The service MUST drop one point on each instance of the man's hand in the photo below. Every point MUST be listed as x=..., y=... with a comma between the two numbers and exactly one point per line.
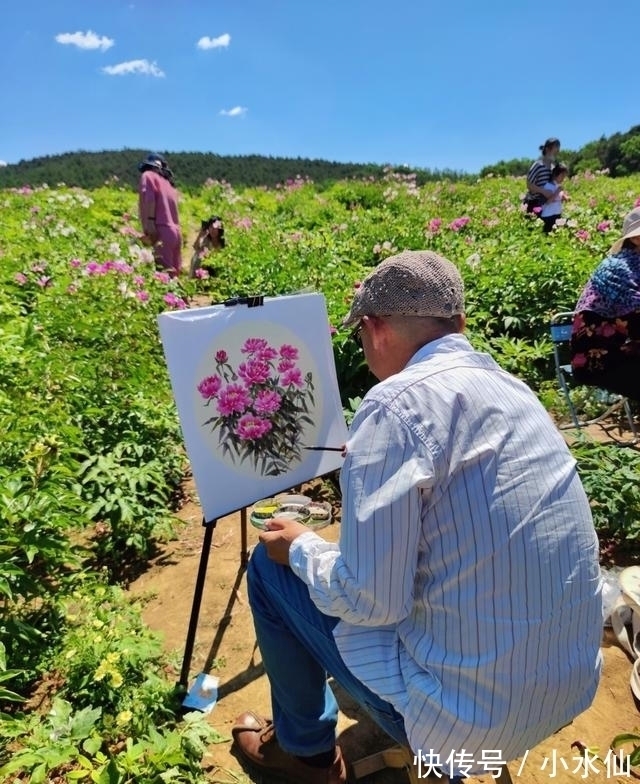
x=277, y=539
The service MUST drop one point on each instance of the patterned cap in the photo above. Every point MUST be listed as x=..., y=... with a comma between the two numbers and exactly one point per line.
x=412, y=283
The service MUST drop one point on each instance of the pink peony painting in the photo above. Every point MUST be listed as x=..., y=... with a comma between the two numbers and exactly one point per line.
x=260, y=406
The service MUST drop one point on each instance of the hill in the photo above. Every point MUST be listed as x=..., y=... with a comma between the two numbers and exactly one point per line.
x=192, y=169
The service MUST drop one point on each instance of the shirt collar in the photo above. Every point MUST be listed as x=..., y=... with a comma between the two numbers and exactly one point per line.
x=445, y=345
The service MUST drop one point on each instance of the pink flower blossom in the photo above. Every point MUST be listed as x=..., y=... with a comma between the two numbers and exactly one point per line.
x=93, y=268
x=233, y=399
x=243, y=223
x=72, y=288
x=209, y=387
x=20, y=278
x=39, y=266
x=75, y=263
x=139, y=280
x=579, y=360
x=266, y=354
x=174, y=301
x=44, y=281
x=434, y=225
x=332, y=330
x=162, y=277
x=537, y=210
x=288, y=352
x=267, y=402
x=142, y=296
x=254, y=372
x=253, y=345
x=583, y=235
x=221, y=356
x=285, y=364
x=202, y=273
x=292, y=377
x=604, y=225
x=252, y=428
x=459, y=223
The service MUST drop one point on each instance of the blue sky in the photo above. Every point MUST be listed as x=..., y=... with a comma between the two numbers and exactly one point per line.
x=456, y=84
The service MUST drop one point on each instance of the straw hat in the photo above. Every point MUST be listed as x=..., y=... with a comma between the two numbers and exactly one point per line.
x=630, y=228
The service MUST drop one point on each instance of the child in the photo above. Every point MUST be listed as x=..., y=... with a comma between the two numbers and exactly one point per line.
x=210, y=237
x=552, y=209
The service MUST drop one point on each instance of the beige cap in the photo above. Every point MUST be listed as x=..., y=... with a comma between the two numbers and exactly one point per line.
x=412, y=283
x=630, y=228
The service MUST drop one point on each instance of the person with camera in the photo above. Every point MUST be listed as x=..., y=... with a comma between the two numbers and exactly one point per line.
x=210, y=237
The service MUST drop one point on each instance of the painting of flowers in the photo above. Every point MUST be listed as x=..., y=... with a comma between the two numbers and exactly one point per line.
x=260, y=405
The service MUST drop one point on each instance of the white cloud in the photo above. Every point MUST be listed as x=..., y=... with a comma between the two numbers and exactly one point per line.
x=3, y=163
x=88, y=40
x=214, y=43
x=134, y=67
x=237, y=111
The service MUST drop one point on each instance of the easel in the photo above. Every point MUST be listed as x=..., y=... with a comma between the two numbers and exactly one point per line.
x=209, y=527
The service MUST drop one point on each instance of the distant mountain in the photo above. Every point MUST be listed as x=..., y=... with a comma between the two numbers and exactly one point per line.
x=191, y=169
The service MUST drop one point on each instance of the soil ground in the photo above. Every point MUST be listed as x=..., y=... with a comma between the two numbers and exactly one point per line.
x=225, y=646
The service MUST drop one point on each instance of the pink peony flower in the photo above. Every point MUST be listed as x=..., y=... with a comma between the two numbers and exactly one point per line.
x=253, y=345
x=209, y=387
x=139, y=280
x=604, y=225
x=202, y=273
x=44, y=281
x=583, y=235
x=288, y=352
x=221, y=356
x=285, y=364
x=252, y=428
x=75, y=263
x=174, y=301
x=142, y=296
x=233, y=399
x=20, y=278
x=254, y=372
x=267, y=402
x=292, y=377
x=459, y=223
x=579, y=360
x=434, y=225
x=162, y=277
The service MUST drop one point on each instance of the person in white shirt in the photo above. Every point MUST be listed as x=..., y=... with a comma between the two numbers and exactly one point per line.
x=462, y=605
x=552, y=209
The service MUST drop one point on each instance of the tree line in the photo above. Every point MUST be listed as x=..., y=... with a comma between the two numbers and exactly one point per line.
x=192, y=169
x=619, y=153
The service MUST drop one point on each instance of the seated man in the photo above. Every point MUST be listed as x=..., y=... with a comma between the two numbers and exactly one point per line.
x=462, y=606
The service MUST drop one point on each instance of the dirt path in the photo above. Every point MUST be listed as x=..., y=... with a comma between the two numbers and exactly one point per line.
x=225, y=646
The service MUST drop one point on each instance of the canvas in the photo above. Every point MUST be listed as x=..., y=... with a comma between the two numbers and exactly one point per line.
x=254, y=387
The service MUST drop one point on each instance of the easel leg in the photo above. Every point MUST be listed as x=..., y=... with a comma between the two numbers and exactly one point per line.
x=197, y=601
x=244, y=550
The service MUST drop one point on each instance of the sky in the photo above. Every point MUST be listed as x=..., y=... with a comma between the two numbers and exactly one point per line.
x=458, y=84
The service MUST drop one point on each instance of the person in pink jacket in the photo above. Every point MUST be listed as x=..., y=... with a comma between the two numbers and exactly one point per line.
x=158, y=209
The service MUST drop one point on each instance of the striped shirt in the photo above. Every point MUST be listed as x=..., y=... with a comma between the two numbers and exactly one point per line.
x=466, y=577
x=539, y=174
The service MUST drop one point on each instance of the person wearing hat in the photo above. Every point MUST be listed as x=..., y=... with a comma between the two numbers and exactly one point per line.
x=461, y=607
x=605, y=335
x=158, y=209
x=539, y=175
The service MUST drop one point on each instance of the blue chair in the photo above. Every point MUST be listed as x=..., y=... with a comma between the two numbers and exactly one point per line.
x=560, y=328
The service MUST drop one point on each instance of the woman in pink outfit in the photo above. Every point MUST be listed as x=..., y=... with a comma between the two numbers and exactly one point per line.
x=158, y=208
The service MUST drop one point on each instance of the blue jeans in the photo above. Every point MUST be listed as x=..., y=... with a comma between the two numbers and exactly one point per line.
x=298, y=651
